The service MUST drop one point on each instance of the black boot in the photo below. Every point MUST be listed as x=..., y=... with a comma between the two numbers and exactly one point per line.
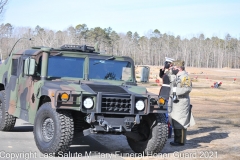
x=179, y=137
x=176, y=144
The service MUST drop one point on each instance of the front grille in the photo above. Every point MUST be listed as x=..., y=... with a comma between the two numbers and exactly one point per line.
x=116, y=104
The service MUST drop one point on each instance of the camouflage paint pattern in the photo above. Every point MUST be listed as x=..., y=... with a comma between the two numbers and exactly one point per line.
x=25, y=94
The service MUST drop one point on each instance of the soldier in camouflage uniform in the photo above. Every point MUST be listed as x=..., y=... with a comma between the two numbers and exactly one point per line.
x=180, y=113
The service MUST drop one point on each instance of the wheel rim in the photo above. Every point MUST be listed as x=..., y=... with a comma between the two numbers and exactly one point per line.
x=48, y=129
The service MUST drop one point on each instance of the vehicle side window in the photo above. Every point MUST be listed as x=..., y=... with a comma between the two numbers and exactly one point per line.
x=14, y=67
x=39, y=67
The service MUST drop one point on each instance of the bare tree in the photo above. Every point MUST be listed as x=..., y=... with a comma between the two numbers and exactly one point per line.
x=2, y=5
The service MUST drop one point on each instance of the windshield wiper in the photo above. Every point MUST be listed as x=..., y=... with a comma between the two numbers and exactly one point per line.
x=102, y=61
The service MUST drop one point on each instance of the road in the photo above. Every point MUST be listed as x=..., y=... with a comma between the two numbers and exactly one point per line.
x=19, y=144
x=209, y=139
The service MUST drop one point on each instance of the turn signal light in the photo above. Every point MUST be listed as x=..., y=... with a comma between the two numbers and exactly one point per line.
x=161, y=101
x=64, y=97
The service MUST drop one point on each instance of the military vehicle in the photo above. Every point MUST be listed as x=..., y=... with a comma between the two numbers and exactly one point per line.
x=73, y=90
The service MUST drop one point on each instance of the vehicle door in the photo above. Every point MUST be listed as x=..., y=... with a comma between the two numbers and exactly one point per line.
x=12, y=87
x=25, y=92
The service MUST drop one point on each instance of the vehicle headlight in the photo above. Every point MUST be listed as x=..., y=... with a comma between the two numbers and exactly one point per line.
x=161, y=101
x=140, y=105
x=88, y=103
x=64, y=97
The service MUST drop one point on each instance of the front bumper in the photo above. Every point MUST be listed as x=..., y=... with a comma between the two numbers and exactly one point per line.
x=104, y=123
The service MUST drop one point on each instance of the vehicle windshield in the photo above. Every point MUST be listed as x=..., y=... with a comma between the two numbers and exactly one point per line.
x=109, y=69
x=59, y=66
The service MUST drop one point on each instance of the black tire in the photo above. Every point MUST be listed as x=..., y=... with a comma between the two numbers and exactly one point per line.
x=155, y=130
x=7, y=121
x=53, y=130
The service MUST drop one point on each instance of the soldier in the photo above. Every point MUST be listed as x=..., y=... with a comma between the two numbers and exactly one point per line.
x=165, y=75
x=164, y=92
x=180, y=114
x=167, y=66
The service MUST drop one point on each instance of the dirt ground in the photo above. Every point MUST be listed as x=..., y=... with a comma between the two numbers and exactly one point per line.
x=216, y=134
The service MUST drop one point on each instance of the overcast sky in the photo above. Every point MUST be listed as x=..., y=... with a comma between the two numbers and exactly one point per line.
x=177, y=17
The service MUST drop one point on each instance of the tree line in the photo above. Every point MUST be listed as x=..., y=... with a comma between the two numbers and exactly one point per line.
x=150, y=49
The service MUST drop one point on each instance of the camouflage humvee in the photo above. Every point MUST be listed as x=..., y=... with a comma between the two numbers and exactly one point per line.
x=71, y=91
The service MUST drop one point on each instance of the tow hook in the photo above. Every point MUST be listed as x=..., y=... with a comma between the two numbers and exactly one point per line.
x=90, y=118
x=104, y=124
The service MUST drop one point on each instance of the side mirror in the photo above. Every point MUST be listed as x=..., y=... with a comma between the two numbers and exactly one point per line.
x=29, y=67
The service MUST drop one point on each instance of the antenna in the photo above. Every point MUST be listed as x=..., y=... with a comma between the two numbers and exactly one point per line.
x=16, y=43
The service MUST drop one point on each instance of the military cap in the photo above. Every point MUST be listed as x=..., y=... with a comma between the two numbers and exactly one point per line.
x=167, y=59
x=178, y=63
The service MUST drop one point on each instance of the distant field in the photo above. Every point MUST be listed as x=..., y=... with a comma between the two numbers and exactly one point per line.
x=203, y=79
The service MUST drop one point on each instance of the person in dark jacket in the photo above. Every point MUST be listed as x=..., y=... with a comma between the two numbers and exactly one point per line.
x=164, y=92
x=165, y=75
